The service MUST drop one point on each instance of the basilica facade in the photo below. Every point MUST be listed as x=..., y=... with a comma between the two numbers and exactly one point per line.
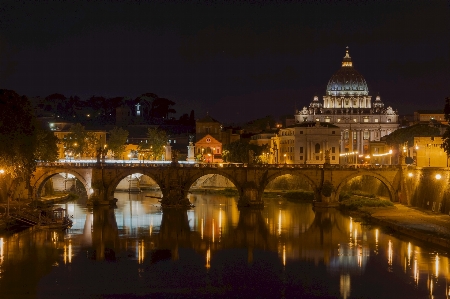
x=348, y=105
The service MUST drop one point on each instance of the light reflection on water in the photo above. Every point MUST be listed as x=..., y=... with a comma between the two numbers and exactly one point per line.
x=285, y=250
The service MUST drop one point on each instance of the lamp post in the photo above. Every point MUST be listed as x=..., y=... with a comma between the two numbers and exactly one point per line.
x=390, y=157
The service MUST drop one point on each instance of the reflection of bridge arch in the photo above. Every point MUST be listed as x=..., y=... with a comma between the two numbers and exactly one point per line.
x=379, y=177
x=40, y=181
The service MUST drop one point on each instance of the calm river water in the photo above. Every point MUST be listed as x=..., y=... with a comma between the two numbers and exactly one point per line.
x=287, y=250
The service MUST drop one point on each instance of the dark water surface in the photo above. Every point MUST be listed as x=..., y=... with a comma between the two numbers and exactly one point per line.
x=287, y=250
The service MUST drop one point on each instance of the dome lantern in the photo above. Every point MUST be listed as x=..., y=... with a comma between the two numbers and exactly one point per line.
x=347, y=81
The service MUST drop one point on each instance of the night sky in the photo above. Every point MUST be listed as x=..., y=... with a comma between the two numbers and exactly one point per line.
x=239, y=61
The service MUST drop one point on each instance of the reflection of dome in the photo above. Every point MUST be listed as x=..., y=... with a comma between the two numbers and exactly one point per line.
x=347, y=81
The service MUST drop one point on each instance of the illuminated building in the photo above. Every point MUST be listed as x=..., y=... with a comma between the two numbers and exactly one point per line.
x=306, y=143
x=347, y=104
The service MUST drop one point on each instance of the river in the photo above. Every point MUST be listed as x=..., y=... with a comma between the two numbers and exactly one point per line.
x=286, y=250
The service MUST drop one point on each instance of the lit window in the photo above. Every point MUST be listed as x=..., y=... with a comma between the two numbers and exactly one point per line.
x=376, y=120
x=366, y=120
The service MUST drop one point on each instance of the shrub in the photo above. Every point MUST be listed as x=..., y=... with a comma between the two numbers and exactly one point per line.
x=327, y=188
x=354, y=203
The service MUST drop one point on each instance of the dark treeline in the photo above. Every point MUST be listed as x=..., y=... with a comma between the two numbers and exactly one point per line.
x=99, y=110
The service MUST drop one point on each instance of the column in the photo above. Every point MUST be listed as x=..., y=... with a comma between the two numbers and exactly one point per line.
x=362, y=141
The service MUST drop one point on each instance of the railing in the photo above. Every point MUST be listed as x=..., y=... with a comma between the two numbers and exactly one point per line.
x=159, y=164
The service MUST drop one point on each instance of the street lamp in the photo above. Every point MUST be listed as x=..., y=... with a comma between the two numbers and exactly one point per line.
x=284, y=158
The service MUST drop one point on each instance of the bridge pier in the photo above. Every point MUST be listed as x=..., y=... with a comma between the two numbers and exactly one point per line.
x=250, y=196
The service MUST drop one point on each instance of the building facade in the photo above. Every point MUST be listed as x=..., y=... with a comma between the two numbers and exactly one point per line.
x=306, y=143
x=348, y=104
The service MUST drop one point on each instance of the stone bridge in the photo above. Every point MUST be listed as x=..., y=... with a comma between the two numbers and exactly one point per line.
x=175, y=180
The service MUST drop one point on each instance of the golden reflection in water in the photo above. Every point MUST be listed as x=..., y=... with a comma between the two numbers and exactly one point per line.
x=1, y=251
x=344, y=285
x=409, y=253
x=68, y=253
x=356, y=236
x=54, y=237
x=360, y=256
x=436, y=265
x=141, y=251
x=220, y=224
x=390, y=253
x=213, y=230
x=416, y=272
x=279, y=223
x=208, y=258
x=201, y=228
x=284, y=255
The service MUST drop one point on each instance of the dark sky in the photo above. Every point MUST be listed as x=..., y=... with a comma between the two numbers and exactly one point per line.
x=237, y=60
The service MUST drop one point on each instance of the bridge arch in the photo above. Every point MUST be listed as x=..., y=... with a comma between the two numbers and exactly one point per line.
x=382, y=179
x=42, y=178
x=111, y=188
x=273, y=175
x=217, y=171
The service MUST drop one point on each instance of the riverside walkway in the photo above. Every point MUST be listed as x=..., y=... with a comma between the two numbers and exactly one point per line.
x=420, y=224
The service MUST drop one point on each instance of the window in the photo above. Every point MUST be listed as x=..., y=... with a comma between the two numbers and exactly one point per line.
x=389, y=120
x=327, y=120
x=333, y=132
x=317, y=148
x=333, y=158
x=317, y=119
x=338, y=120
x=366, y=135
x=301, y=150
x=301, y=132
x=366, y=120
x=333, y=150
x=301, y=157
x=376, y=120
x=317, y=157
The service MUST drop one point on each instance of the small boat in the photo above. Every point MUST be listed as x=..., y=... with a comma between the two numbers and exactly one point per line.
x=43, y=218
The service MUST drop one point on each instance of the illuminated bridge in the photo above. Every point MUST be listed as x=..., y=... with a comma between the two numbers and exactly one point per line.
x=175, y=180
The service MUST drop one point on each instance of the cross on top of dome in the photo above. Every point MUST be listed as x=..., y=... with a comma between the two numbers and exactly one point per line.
x=347, y=59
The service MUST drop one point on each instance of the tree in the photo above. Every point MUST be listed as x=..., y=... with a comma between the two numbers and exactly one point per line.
x=47, y=144
x=22, y=142
x=117, y=141
x=161, y=108
x=446, y=135
x=243, y=152
x=407, y=134
x=154, y=147
x=81, y=142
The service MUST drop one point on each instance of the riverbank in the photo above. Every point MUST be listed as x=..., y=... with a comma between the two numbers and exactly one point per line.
x=420, y=224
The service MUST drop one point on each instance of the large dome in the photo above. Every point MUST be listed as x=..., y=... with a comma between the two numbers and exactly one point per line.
x=347, y=81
